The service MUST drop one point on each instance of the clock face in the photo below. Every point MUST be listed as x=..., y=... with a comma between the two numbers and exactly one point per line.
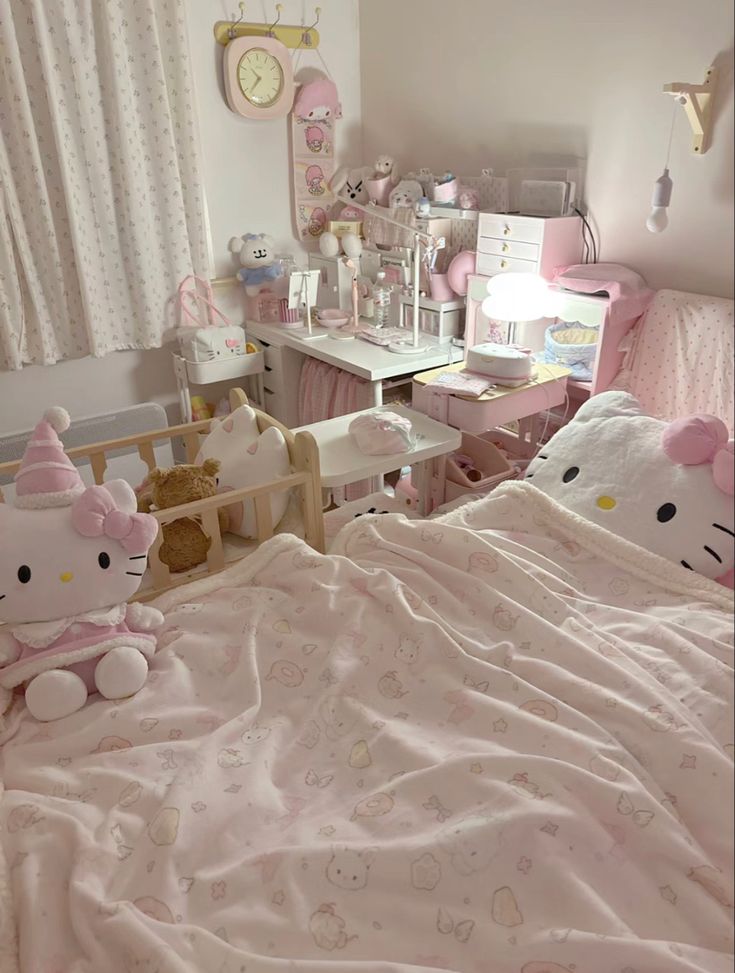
x=260, y=77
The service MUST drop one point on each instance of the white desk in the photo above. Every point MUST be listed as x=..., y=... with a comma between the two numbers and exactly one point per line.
x=341, y=462
x=285, y=353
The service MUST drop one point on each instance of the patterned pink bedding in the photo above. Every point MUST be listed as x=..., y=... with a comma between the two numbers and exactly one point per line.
x=500, y=742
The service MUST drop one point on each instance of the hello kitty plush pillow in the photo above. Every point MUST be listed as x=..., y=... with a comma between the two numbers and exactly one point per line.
x=247, y=458
x=666, y=486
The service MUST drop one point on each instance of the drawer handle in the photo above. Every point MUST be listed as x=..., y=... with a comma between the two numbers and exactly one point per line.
x=503, y=264
x=268, y=368
x=268, y=391
x=505, y=248
x=507, y=230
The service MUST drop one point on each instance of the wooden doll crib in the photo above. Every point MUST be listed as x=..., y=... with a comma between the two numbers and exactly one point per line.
x=305, y=477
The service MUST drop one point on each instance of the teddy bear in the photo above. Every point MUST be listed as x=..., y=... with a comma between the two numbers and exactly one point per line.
x=185, y=545
x=258, y=266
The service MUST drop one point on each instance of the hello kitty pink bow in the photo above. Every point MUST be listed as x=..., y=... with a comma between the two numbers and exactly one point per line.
x=694, y=440
x=95, y=514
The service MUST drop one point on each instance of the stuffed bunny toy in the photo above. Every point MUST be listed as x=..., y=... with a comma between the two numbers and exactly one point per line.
x=71, y=558
x=666, y=486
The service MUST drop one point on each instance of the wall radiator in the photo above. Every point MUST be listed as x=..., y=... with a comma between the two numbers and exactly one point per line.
x=123, y=464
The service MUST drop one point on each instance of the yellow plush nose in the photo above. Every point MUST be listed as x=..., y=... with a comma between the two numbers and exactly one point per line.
x=66, y=576
x=606, y=503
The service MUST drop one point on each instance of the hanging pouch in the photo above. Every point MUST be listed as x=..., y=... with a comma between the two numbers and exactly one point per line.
x=204, y=333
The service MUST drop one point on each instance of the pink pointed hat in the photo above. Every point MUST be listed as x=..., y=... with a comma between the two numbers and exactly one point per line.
x=47, y=477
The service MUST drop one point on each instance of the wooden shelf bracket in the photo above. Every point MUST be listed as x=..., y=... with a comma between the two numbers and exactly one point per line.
x=697, y=102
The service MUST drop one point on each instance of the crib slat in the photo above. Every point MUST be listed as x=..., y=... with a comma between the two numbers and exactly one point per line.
x=216, y=552
x=159, y=571
x=147, y=454
x=263, y=518
x=98, y=462
x=191, y=441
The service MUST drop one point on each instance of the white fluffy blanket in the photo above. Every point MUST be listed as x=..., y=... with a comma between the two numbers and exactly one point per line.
x=498, y=741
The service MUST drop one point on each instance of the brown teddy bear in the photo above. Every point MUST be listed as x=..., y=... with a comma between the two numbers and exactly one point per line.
x=184, y=542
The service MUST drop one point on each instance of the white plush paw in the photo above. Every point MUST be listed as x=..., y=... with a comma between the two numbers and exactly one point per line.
x=121, y=672
x=55, y=694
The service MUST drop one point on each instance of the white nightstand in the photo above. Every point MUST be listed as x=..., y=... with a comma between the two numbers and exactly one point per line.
x=341, y=462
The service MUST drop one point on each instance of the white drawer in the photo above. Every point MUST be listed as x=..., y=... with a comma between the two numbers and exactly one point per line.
x=489, y=264
x=527, y=229
x=508, y=248
x=273, y=359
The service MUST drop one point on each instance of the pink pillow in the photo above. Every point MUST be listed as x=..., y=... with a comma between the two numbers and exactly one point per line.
x=382, y=433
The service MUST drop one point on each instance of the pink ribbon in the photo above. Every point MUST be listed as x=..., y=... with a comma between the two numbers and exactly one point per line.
x=95, y=514
x=694, y=440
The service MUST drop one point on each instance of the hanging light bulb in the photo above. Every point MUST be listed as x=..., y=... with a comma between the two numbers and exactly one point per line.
x=658, y=219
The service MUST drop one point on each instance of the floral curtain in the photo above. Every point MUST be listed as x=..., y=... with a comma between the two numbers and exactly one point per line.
x=101, y=202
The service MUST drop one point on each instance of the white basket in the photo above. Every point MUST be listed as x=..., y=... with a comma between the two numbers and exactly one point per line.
x=205, y=373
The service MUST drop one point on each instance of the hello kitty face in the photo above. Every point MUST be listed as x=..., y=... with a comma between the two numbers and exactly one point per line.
x=613, y=466
x=468, y=844
x=49, y=570
x=408, y=650
x=349, y=869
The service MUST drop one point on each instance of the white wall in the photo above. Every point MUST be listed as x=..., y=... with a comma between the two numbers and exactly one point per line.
x=490, y=83
x=246, y=168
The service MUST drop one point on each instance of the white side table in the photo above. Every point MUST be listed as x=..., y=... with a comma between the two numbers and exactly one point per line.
x=341, y=462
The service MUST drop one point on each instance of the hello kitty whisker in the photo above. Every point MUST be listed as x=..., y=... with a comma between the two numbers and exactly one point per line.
x=714, y=554
x=137, y=557
x=136, y=574
x=727, y=530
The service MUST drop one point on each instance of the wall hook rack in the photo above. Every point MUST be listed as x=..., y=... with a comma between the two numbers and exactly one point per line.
x=697, y=102
x=293, y=37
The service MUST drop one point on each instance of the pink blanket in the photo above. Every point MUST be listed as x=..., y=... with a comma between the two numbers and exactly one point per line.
x=500, y=741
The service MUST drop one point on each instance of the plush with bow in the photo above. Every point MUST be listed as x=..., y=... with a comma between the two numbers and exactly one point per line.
x=666, y=486
x=71, y=559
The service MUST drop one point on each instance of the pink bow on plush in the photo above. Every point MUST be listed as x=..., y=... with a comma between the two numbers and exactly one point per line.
x=95, y=514
x=699, y=439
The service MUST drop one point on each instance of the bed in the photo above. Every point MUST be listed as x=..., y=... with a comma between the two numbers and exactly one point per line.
x=500, y=740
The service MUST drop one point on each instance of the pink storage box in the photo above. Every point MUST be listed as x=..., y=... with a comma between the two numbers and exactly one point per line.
x=486, y=458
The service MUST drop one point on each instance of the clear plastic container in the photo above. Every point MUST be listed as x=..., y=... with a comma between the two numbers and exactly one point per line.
x=382, y=293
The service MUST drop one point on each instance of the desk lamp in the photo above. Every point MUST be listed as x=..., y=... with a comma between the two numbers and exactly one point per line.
x=403, y=346
x=518, y=297
x=512, y=298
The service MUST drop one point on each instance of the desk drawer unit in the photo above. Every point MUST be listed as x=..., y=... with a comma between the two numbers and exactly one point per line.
x=507, y=243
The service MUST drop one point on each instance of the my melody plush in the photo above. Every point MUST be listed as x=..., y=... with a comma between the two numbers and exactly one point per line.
x=257, y=256
x=666, y=486
x=185, y=545
x=71, y=558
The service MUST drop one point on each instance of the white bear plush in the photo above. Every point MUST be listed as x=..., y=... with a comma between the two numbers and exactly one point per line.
x=247, y=458
x=406, y=194
x=666, y=486
x=257, y=255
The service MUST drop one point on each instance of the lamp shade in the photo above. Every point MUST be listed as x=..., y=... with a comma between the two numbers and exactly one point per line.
x=518, y=297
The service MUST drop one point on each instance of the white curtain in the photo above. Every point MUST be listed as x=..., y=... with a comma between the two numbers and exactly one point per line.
x=101, y=200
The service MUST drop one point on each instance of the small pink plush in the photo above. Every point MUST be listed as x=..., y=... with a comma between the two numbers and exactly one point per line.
x=71, y=558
